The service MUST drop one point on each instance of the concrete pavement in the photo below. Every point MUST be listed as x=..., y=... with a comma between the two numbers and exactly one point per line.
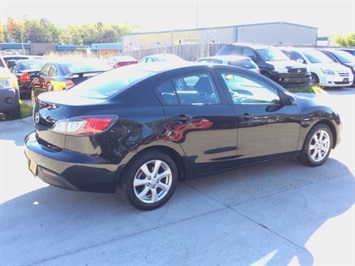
x=278, y=213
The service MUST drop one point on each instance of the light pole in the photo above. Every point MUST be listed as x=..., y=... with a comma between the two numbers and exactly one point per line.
x=196, y=14
x=21, y=28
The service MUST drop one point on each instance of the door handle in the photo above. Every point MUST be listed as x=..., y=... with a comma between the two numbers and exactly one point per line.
x=247, y=116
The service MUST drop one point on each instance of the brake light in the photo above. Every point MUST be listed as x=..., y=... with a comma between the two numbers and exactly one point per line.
x=25, y=77
x=69, y=83
x=84, y=125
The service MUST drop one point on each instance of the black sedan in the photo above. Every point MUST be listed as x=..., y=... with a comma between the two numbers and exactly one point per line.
x=25, y=71
x=143, y=127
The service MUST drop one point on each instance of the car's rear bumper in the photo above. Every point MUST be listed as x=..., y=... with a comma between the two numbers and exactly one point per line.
x=68, y=170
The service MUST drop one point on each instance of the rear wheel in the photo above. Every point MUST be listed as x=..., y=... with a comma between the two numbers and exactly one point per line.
x=317, y=146
x=150, y=180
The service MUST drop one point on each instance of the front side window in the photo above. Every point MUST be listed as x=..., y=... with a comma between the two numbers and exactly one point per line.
x=52, y=71
x=249, y=90
x=197, y=89
x=44, y=71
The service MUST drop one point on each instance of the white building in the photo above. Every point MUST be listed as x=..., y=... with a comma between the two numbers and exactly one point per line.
x=274, y=33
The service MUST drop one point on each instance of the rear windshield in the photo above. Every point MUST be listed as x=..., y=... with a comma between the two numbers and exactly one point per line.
x=109, y=83
x=82, y=67
x=30, y=64
x=246, y=63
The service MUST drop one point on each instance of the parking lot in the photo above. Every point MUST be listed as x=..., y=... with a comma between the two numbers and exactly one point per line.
x=278, y=213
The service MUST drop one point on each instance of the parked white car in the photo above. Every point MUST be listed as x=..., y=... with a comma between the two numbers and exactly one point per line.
x=325, y=72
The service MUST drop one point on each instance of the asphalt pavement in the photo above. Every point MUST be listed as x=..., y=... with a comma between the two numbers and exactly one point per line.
x=277, y=213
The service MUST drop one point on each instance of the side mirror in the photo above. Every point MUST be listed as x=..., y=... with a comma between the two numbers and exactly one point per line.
x=253, y=57
x=290, y=99
x=11, y=63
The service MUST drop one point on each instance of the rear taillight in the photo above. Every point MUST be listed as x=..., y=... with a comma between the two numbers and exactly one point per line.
x=69, y=83
x=84, y=125
x=25, y=77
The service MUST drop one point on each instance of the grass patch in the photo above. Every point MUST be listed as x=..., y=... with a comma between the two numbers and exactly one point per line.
x=26, y=111
x=305, y=89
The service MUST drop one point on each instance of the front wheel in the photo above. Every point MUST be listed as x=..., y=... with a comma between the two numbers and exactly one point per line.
x=314, y=80
x=317, y=146
x=15, y=113
x=150, y=180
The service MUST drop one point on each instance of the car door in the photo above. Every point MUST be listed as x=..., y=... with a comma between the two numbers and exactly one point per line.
x=266, y=127
x=200, y=120
x=38, y=84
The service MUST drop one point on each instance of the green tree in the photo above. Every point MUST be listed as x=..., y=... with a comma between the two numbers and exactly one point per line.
x=43, y=31
x=13, y=28
x=2, y=32
x=344, y=40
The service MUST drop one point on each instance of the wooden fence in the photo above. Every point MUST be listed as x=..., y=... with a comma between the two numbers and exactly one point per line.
x=190, y=52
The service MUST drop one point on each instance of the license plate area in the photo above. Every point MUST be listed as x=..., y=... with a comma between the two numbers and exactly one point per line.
x=33, y=167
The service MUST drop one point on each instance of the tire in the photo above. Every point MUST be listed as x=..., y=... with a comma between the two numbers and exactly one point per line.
x=14, y=113
x=314, y=80
x=317, y=146
x=145, y=188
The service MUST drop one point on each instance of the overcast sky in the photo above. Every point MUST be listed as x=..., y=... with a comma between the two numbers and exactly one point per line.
x=330, y=17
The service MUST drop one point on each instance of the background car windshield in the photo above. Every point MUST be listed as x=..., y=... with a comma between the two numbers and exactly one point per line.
x=30, y=64
x=109, y=83
x=271, y=54
x=246, y=63
x=345, y=57
x=317, y=57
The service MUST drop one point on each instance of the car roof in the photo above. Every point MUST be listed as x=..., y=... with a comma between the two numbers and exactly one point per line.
x=125, y=57
x=299, y=49
x=333, y=50
x=252, y=45
x=227, y=57
x=159, y=67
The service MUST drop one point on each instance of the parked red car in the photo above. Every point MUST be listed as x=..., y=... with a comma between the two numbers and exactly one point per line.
x=123, y=60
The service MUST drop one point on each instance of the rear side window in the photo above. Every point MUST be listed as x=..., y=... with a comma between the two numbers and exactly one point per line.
x=198, y=89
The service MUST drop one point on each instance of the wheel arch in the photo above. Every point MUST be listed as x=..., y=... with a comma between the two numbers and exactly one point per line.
x=332, y=128
x=166, y=150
